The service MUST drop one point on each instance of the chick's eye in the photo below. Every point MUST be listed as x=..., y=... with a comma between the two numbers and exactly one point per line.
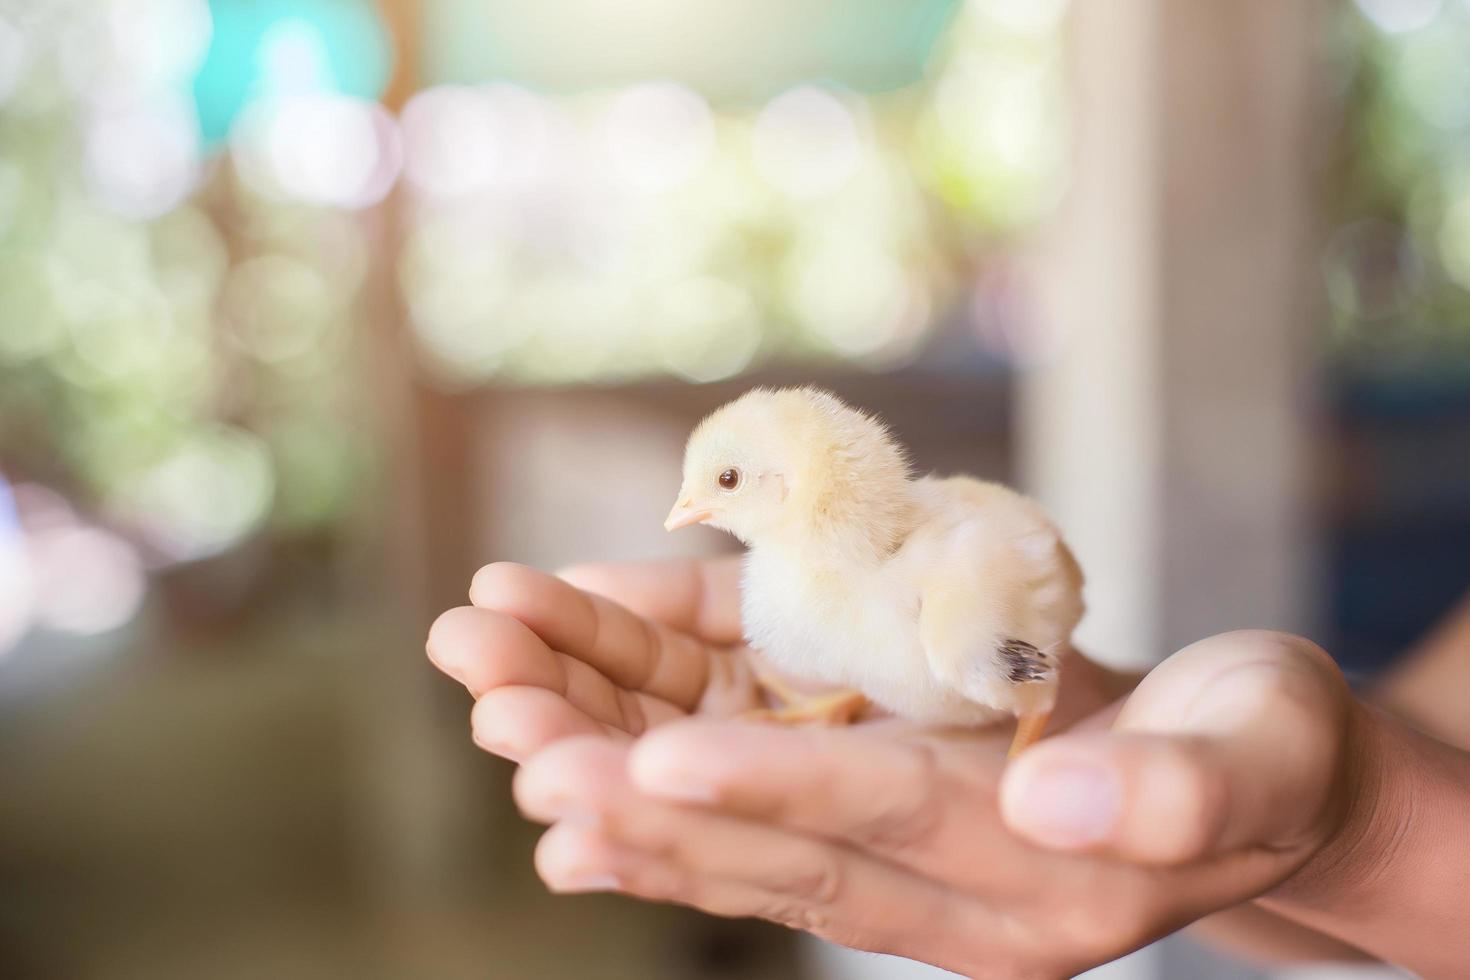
x=730, y=479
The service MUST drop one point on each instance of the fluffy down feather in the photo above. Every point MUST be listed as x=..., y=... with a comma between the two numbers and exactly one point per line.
x=945, y=600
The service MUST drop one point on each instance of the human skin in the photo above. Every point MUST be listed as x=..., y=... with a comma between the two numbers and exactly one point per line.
x=1240, y=769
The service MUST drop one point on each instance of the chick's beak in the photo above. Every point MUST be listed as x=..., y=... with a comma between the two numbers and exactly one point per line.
x=684, y=515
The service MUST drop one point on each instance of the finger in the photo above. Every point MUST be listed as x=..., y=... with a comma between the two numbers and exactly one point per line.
x=516, y=722
x=870, y=911
x=701, y=597
x=619, y=839
x=569, y=777
x=634, y=653
x=907, y=799
x=575, y=858
x=1233, y=743
x=485, y=650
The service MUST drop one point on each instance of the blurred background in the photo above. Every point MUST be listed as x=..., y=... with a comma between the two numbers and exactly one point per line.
x=308, y=309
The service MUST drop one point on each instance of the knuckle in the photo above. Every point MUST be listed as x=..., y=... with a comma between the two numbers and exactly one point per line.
x=1114, y=920
x=659, y=882
x=795, y=915
x=819, y=884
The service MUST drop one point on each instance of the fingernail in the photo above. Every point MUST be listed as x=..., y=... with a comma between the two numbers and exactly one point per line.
x=588, y=883
x=1068, y=805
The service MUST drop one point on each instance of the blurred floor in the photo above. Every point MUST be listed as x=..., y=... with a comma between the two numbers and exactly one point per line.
x=195, y=814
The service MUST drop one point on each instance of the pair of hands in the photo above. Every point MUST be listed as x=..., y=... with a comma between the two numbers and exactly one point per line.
x=1215, y=779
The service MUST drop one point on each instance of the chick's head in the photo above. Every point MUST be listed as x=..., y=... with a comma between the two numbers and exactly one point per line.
x=792, y=462
x=736, y=468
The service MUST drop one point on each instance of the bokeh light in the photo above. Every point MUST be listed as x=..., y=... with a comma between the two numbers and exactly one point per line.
x=1400, y=16
x=14, y=55
x=1036, y=18
x=115, y=332
x=192, y=200
x=710, y=328
x=320, y=148
x=278, y=308
x=530, y=127
x=807, y=142
x=207, y=495
x=452, y=141
x=658, y=134
x=851, y=294
x=559, y=238
x=1454, y=242
x=17, y=584
x=88, y=580
x=158, y=42
x=143, y=160
x=275, y=49
x=1397, y=267
x=31, y=324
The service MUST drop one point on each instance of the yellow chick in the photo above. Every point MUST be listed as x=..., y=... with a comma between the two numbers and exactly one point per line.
x=942, y=600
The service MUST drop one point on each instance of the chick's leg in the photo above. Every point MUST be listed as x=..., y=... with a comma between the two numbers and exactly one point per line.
x=777, y=688
x=1033, y=674
x=835, y=708
x=1028, y=730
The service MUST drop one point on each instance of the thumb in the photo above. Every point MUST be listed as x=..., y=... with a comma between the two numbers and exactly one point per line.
x=1236, y=741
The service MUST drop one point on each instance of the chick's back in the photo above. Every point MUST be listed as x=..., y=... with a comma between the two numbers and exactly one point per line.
x=920, y=633
x=1002, y=550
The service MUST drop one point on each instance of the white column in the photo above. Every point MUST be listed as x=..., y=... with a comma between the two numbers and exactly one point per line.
x=1170, y=434
x=1090, y=433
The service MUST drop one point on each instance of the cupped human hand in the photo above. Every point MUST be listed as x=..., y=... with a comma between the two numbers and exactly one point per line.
x=1230, y=769
x=612, y=650
x=547, y=657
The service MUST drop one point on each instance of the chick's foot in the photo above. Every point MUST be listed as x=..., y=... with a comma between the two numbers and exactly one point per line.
x=837, y=708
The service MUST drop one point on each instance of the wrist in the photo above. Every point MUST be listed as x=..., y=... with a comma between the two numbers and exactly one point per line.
x=1364, y=818
x=1388, y=872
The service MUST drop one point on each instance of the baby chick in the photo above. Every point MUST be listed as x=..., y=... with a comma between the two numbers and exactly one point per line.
x=943, y=600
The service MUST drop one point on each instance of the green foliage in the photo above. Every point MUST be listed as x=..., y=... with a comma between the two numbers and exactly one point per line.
x=1397, y=268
